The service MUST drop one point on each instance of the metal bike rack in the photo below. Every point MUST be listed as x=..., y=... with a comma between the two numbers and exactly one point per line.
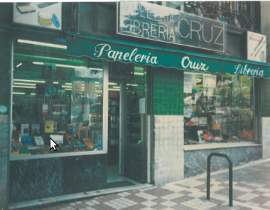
x=230, y=176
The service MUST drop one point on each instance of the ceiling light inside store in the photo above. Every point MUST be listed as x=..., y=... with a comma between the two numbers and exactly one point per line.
x=26, y=84
x=18, y=93
x=29, y=80
x=112, y=83
x=133, y=85
x=70, y=66
x=38, y=63
x=20, y=86
x=114, y=89
x=19, y=64
x=44, y=44
x=138, y=73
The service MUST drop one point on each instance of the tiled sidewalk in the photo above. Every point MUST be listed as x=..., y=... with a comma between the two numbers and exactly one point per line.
x=251, y=192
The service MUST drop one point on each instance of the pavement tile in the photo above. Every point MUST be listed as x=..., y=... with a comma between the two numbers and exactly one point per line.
x=251, y=192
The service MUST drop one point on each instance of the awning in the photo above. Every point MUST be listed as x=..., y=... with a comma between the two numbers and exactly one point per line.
x=132, y=52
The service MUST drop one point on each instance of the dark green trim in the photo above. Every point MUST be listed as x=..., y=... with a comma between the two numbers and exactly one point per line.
x=91, y=46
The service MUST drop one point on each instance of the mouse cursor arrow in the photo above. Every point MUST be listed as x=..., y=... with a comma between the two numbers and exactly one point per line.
x=53, y=145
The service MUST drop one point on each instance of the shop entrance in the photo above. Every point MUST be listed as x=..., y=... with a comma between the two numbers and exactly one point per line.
x=127, y=151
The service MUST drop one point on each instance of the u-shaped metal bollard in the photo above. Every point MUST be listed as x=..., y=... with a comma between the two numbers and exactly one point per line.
x=230, y=176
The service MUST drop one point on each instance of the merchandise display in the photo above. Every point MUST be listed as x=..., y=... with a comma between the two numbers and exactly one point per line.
x=55, y=102
x=218, y=108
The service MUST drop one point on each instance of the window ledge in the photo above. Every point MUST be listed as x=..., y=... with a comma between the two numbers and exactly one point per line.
x=55, y=155
x=209, y=146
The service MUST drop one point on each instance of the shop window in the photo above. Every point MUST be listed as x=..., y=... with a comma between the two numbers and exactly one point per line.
x=57, y=97
x=218, y=108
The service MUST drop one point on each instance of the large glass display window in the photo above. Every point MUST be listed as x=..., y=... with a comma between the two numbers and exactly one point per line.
x=58, y=97
x=218, y=108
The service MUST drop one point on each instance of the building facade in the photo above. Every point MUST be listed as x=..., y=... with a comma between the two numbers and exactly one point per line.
x=133, y=93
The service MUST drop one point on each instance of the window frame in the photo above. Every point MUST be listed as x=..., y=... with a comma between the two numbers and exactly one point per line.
x=255, y=140
x=105, y=66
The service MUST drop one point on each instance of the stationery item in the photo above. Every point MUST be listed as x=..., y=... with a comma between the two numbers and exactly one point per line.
x=89, y=143
x=49, y=126
x=25, y=8
x=39, y=140
x=35, y=128
x=202, y=121
x=58, y=139
x=26, y=140
x=44, y=19
x=200, y=136
x=216, y=125
x=25, y=129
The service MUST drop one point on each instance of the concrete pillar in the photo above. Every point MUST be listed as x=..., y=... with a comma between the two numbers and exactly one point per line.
x=265, y=85
x=168, y=148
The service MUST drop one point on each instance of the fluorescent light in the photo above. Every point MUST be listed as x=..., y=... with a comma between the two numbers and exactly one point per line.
x=138, y=73
x=114, y=89
x=29, y=80
x=133, y=85
x=18, y=93
x=66, y=86
x=18, y=65
x=55, y=82
x=69, y=66
x=37, y=63
x=32, y=94
x=96, y=69
x=44, y=44
x=26, y=84
x=112, y=83
x=68, y=83
x=20, y=86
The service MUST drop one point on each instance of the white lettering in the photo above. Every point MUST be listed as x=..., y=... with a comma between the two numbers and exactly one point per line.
x=187, y=63
x=105, y=50
x=246, y=70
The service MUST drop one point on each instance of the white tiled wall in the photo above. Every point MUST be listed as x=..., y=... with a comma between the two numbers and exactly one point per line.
x=168, y=148
x=266, y=137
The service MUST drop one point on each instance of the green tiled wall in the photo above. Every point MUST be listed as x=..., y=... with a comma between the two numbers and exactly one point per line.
x=168, y=92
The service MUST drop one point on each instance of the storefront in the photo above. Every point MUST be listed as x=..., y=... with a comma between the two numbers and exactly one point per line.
x=124, y=112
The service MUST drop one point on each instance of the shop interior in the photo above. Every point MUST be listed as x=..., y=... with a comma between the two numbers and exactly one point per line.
x=218, y=108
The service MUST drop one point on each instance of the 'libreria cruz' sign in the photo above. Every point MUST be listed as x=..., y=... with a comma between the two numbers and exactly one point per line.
x=159, y=23
x=169, y=59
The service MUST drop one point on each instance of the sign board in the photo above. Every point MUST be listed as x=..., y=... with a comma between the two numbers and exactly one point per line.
x=256, y=47
x=167, y=58
x=151, y=21
x=41, y=14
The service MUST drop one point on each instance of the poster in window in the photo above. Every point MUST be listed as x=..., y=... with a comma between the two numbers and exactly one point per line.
x=209, y=81
x=41, y=14
x=256, y=47
x=188, y=83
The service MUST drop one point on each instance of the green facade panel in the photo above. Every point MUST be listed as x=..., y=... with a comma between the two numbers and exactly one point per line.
x=168, y=93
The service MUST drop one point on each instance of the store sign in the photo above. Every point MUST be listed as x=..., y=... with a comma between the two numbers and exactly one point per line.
x=41, y=14
x=151, y=21
x=167, y=58
x=132, y=56
x=256, y=47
